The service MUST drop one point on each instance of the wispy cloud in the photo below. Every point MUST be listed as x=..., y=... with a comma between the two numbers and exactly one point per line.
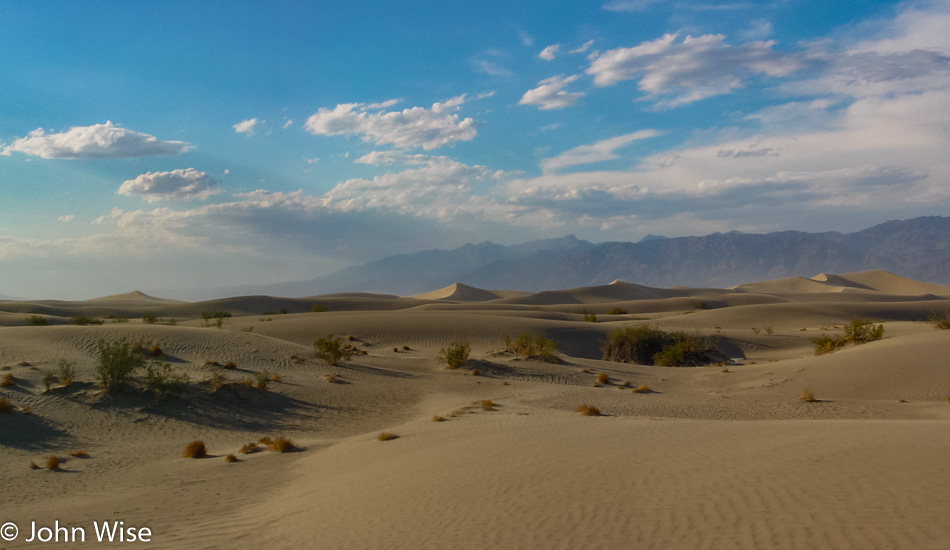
x=247, y=126
x=176, y=184
x=596, y=152
x=550, y=93
x=550, y=52
x=96, y=141
x=416, y=127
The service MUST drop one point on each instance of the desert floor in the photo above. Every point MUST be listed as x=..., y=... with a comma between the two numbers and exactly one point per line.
x=718, y=456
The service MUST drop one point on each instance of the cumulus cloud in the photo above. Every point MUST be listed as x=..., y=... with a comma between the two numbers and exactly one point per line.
x=246, y=126
x=177, y=184
x=550, y=93
x=550, y=52
x=416, y=127
x=96, y=141
x=597, y=152
x=676, y=72
x=67, y=218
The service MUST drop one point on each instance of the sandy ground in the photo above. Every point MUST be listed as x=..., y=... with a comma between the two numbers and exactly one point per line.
x=719, y=456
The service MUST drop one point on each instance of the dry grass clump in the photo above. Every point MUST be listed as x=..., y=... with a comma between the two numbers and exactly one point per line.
x=488, y=405
x=156, y=351
x=807, y=396
x=265, y=441
x=948, y=401
x=406, y=348
x=642, y=389
x=940, y=321
x=438, y=418
x=6, y=407
x=48, y=379
x=455, y=354
x=476, y=372
x=331, y=350
x=231, y=458
x=281, y=445
x=585, y=371
x=67, y=373
x=78, y=454
x=277, y=377
x=395, y=350
x=7, y=380
x=588, y=410
x=230, y=365
x=249, y=448
x=331, y=379
x=603, y=379
x=386, y=436
x=195, y=449
x=33, y=466
x=26, y=409
x=52, y=462
x=858, y=331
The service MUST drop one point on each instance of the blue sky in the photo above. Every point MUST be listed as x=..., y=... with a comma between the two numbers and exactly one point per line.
x=173, y=145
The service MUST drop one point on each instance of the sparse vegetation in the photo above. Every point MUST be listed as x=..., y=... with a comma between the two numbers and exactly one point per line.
x=476, y=372
x=79, y=454
x=52, y=462
x=67, y=373
x=48, y=379
x=230, y=365
x=231, y=458
x=33, y=466
x=940, y=321
x=84, y=321
x=331, y=379
x=488, y=405
x=588, y=410
x=770, y=330
x=438, y=418
x=281, y=445
x=643, y=388
x=7, y=380
x=331, y=350
x=6, y=407
x=590, y=317
x=533, y=346
x=455, y=354
x=162, y=379
x=117, y=362
x=319, y=308
x=261, y=379
x=156, y=351
x=386, y=436
x=858, y=331
x=648, y=345
x=249, y=448
x=215, y=382
x=36, y=321
x=807, y=396
x=699, y=305
x=755, y=331
x=616, y=311
x=602, y=378
x=149, y=318
x=195, y=449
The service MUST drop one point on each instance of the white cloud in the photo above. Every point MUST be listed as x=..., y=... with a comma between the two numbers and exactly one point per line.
x=96, y=141
x=491, y=68
x=177, y=184
x=759, y=29
x=583, y=48
x=597, y=152
x=526, y=39
x=288, y=124
x=695, y=68
x=550, y=94
x=550, y=52
x=415, y=127
x=67, y=218
x=629, y=5
x=247, y=126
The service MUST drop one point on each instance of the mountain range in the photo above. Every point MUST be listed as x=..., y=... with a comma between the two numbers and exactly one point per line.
x=917, y=248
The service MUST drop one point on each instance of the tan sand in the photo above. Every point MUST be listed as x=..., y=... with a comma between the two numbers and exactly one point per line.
x=721, y=456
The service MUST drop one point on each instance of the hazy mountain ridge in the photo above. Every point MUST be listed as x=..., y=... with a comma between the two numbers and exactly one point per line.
x=918, y=248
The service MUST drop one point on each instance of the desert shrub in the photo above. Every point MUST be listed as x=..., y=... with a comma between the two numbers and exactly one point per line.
x=230, y=458
x=26, y=409
x=476, y=372
x=395, y=350
x=5, y=406
x=318, y=308
x=84, y=321
x=162, y=379
x=331, y=350
x=215, y=382
x=275, y=312
x=118, y=318
x=48, y=379
x=195, y=449
x=488, y=405
x=807, y=396
x=590, y=317
x=7, y=381
x=941, y=322
x=858, y=331
x=149, y=319
x=79, y=454
x=230, y=365
x=386, y=436
x=331, y=379
x=642, y=389
x=265, y=440
x=602, y=378
x=588, y=410
x=261, y=379
x=276, y=377
x=52, y=462
x=616, y=311
x=438, y=418
x=533, y=346
x=249, y=448
x=214, y=314
x=33, y=466
x=156, y=351
x=67, y=373
x=406, y=348
x=755, y=331
x=770, y=330
x=281, y=445
x=648, y=345
x=699, y=305
x=455, y=354
x=117, y=362
x=36, y=321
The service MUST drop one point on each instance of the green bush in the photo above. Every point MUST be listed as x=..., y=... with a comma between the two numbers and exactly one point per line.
x=648, y=345
x=36, y=321
x=117, y=362
x=455, y=354
x=149, y=319
x=318, y=308
x=533, y=346
x=162, y=379
x=590, y=317
x=84, y=321
x=941, y=322
x=858, y=331
x=67, y=373
x=616, y=311
x=331, y=350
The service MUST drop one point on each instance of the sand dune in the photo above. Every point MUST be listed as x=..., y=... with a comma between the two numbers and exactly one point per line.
x=721, y=456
